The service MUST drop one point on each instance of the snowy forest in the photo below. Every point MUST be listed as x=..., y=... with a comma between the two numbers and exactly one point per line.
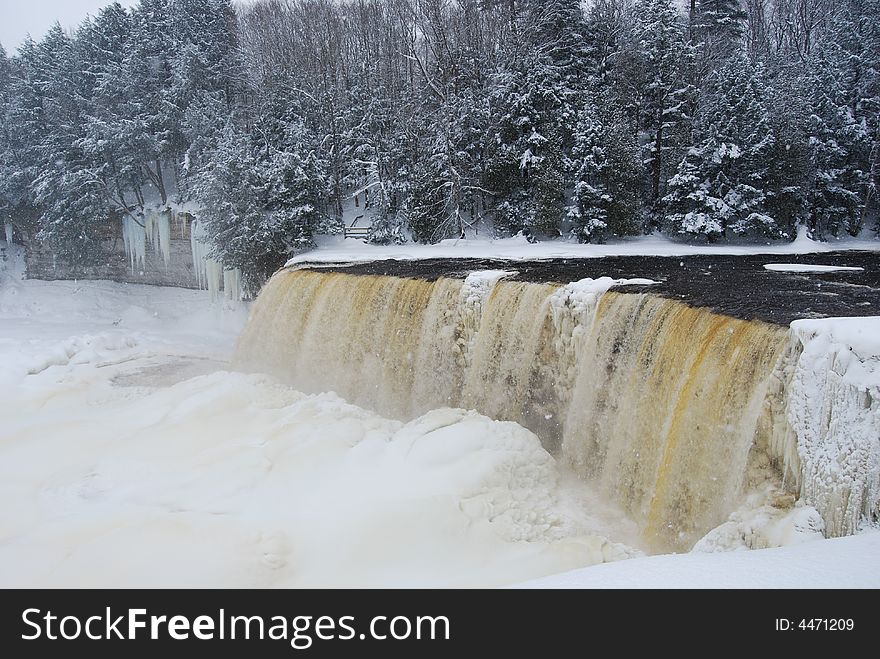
x=707, y=119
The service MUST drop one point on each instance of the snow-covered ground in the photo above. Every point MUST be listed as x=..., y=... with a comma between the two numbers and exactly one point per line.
x=333, y=249
x=131, y=456
x=838, y=563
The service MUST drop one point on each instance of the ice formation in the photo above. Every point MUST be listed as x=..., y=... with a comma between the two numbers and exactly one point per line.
x=134, y=236
x=210, y=273
x=157, y=227
x=834, y=416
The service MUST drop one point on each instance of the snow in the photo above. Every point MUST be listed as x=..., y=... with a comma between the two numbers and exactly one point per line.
x=478, y=285
x=573, y=307
x=335, y=249
x=768, y=518
x=804, y=267
x=584, y=294
x=839, y=563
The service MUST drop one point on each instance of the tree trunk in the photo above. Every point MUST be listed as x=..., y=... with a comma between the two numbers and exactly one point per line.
x=160, y=182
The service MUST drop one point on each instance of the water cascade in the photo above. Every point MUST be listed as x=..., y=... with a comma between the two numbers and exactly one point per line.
x=666, y=408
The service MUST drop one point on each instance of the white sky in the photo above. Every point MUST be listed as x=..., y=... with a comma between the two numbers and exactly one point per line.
x=20, y=17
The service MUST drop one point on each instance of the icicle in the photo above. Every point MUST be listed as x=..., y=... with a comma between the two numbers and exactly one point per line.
x=150, y=230
x=8, y=227
x=163, y=230
x=197, y=238
x=134, y=237
x=213, y=277
x=210, y=273
x=232, y=285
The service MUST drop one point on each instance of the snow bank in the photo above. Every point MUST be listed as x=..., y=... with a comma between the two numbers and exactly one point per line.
x=834, y=412
x=47, y=324
x=840, y=563
x=234, y=480
x=80, y=350
x=334, y=249
x=478, y=285
x=767, y=519
x=804, y=267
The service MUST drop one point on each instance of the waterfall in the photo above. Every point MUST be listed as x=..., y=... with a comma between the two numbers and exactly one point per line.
x=662, y=406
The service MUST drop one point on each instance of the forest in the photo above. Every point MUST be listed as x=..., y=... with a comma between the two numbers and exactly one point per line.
x=707, y=120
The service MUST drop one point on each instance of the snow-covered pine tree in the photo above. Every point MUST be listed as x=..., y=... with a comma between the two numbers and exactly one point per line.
x=446, y=198
x=113, y=162
x=148, y=120
x=840, y=146
x=718, y=27
x=535, y=100
x=203, y=62
x=7, y=155
x=661, y=62
x=259, y=199
x=790, y=167
x=720, y=183
x=855, y=29
x=69, y=198
x=607, y=170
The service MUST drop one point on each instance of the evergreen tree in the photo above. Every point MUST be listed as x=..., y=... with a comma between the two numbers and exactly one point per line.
x=719, y=27
x=790, y=159
x=147, y=122
x=721, y=182
x=607, y=167
x=112, y=160
x=446, y=197
x=840, y=147
x=63, y=186
x=7, y=155
x=663, y=62
x=259, y=200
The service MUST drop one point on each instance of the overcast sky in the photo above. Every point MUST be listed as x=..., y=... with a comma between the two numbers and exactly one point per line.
x=20, y=17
